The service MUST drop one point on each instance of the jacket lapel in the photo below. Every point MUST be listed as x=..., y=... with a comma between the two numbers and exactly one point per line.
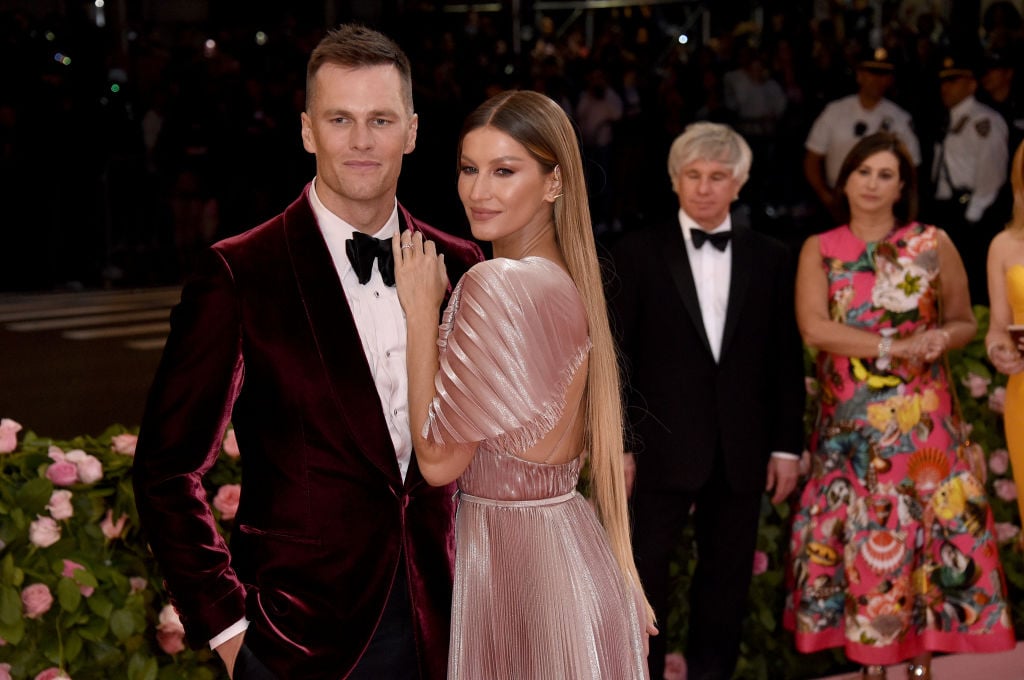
x=739, y=281
x=337, y=339
x=674, y=249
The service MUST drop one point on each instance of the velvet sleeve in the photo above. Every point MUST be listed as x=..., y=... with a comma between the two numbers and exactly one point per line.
x=511, y=340
x=187, y=411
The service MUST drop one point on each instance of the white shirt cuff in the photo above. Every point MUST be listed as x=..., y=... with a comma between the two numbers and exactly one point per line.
x=239, y=626
x=785, y=455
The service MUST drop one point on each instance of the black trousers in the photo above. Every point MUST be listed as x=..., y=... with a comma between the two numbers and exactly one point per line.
x=725, y=524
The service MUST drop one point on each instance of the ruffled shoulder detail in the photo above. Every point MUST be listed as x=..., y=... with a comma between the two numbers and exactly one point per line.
x=511, y=340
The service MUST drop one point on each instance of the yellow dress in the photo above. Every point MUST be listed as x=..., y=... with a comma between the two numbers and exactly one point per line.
x=1013, y=418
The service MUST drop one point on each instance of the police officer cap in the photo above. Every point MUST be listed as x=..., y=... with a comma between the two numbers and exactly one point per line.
x=998, y=58
x=876, y=60
x=956, y=65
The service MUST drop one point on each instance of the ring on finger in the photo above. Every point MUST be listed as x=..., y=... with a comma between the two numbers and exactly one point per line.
x=406, y=245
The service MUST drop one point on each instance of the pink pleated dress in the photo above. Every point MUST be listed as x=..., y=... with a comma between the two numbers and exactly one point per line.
x=538, y=593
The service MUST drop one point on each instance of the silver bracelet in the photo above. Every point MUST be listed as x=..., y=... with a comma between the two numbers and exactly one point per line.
x=884, y=350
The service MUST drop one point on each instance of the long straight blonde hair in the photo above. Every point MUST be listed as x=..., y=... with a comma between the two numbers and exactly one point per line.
x=542, y=127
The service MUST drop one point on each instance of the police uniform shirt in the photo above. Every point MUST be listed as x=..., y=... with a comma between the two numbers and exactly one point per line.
x=844, y=122
x=976, y=154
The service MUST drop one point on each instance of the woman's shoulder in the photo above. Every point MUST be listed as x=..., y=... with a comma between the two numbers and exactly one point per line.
x=527, y=274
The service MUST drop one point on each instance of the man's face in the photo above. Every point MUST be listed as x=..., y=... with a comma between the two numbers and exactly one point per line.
x=706, y=189
x=359, y=127
x=955, y=90
x=873, y=85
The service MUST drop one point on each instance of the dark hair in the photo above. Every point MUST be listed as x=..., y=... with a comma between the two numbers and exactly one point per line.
x=905, y=208
x=356, y=46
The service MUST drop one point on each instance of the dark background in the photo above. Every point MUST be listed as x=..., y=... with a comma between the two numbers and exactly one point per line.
x=134, y=134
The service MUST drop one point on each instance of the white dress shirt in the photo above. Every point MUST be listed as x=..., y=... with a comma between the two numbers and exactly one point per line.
x=380, y=322
x=712, y=271
x=381, y=326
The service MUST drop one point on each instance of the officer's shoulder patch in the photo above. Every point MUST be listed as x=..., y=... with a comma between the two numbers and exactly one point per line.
x=983, y=127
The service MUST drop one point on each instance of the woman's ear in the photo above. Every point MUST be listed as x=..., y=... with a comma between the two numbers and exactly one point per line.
x=554, y=185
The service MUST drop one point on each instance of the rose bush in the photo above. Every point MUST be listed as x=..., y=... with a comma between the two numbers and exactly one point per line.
x=80, y=595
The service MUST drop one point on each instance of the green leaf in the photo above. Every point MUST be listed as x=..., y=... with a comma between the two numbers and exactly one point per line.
x=34, y=494
x=121, y=624
x=142, y=668
x=72, y=646
x=100, y=606
x=13, y=633
x=68, y=594
x=10, y=606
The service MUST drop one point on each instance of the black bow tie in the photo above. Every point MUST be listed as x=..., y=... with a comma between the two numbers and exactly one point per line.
x=363, y=249
x=719, y=239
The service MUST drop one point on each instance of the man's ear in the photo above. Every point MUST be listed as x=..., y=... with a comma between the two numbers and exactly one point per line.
x=308, y=143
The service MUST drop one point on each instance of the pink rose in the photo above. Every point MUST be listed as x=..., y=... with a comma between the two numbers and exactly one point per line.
x=976, y=384
x=62, y=473
x=138, y=584
x=60, y=504
x=5, y=670
x=231, y=444
x=90, y=469
x=997, y=400
x=124, y=443
x=36, y=599
x=760, y=562
x=44, y=531
x=675, y=666
x=170, y=634
x=1005, y=489
x=70, y=568
x=53, y=674
x=1005, y=531
x=8, y=435
x=227, y=499
x=998, y=461
x=110, y=528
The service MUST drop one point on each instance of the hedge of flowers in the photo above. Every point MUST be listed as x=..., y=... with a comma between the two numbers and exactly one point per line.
x=81, y=597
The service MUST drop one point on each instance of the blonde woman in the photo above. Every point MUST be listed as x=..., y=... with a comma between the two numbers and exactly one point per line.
x=524, y=384
x=1006, y=297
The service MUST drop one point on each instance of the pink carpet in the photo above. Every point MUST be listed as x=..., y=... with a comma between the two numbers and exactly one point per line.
x=1002, y=666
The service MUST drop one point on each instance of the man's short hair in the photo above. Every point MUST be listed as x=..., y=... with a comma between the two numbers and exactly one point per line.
x=356, y=46
x=710, y=142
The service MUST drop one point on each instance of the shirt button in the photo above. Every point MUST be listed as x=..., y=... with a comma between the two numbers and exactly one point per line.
x=388, y=354
x=376, y=293
x=395, y=412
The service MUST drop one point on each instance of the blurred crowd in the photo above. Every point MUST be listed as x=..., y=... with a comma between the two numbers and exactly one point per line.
x=121, y=155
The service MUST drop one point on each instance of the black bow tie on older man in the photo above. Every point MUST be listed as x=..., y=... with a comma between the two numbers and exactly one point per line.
x=363, y=249
x=719, y=239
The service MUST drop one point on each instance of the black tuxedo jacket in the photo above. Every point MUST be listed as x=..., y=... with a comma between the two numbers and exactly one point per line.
x=263, y=337
x=683, y=407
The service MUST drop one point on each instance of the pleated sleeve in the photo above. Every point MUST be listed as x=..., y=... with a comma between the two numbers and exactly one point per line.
x=511, y=340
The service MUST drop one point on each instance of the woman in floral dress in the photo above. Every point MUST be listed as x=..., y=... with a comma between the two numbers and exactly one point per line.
x=893, y=553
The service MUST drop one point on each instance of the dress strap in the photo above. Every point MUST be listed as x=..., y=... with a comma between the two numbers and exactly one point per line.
x=532, y=503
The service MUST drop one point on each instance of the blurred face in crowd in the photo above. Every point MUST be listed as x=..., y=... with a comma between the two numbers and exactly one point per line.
x=506, y=193
x=874, y=187
x=706, y=189
x=359, y=127
x=873, y=85
x=956, y=89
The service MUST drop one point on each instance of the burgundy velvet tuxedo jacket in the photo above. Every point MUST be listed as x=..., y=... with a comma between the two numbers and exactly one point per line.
x=263, y=338
x=683, y=408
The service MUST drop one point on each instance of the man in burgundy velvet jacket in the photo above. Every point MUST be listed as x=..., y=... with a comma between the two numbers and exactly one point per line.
x=341, y=555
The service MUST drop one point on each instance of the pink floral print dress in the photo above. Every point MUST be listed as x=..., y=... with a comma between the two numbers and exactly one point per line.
x=893, y=551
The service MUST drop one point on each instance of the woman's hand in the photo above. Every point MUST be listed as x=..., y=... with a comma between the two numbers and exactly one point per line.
x=925, y=347
x=420, y=274
x=1005, y=358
